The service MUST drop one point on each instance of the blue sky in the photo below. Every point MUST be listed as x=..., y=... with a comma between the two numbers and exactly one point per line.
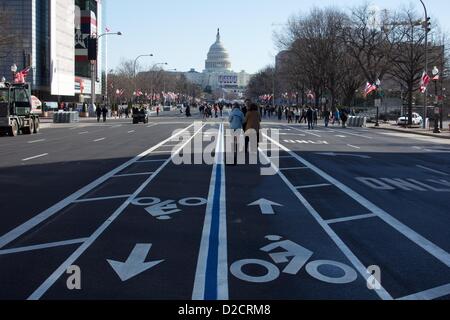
x=180, y=32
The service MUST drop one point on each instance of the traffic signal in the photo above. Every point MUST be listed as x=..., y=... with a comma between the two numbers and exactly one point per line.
x=92, y=49
x=427, y=24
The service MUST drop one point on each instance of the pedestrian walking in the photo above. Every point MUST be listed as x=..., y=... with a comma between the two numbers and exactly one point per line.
x=252, y=126
x=310, y=118
x=326, y=117
x=99, y=113
x=104, y=112
x=236, y=120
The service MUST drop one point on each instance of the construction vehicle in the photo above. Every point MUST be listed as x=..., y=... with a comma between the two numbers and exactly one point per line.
x=16, y=110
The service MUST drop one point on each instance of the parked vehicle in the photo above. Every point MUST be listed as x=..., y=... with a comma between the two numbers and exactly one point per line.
x=416, y=120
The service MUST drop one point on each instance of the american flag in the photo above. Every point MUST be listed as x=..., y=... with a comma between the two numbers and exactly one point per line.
x=369, y=88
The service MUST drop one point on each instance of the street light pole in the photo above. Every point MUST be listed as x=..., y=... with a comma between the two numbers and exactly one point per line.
x=426, y=62
x=94, y=66
x=437, y=109
x=134, y=68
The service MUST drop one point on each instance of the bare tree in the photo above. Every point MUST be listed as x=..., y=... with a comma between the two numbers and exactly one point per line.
x=370, y=42
x=261, y=83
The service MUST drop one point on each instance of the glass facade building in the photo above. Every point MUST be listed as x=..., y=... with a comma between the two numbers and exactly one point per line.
x=34, y=25
x=28, y=23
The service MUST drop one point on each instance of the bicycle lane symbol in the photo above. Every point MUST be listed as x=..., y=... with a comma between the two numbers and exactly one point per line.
x=163, y=210
x=299, y=257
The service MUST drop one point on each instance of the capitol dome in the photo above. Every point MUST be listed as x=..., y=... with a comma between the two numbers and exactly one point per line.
x=218, y=57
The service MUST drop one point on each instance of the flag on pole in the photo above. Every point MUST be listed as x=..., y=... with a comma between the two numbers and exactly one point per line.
x=369, y=89
x=424, y=82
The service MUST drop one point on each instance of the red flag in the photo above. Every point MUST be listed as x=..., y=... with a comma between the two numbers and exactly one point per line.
x=22, y=75
x=369, y=88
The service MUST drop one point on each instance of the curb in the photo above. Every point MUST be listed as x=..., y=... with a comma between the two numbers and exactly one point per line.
x=413, y=132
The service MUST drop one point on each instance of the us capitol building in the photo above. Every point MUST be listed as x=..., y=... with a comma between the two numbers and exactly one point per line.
x=218, y=74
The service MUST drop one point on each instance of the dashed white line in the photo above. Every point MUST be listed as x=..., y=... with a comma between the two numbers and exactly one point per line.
x=42, y=246
x=314, y=186
x=354, y=147
x=133, y=174
x=35, y=157
x=84, y=132
x=432, y=170
x=430, y=294
x=132, y=131
x=98, y=140
x=36, y=141
x=353, y=218
x=294, y=168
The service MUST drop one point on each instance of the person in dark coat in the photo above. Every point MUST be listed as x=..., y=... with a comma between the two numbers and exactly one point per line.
x=310, y=118
x=99, y=113
x=105, y=113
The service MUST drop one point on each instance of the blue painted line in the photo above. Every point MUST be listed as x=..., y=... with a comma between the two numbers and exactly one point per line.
x=211, y=286
x=213, y=250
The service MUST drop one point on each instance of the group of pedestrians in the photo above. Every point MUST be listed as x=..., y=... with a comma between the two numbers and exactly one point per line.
x=246, y=120
x=211, y=110
x=101, y=111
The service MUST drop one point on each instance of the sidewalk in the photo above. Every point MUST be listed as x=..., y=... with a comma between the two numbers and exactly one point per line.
x=445, y=133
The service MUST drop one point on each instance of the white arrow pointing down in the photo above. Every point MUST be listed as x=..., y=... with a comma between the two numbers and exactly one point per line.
x=265, y=205
x=135, y=263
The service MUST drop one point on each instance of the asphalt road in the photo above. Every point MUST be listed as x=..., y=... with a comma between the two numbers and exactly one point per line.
x=113, y=202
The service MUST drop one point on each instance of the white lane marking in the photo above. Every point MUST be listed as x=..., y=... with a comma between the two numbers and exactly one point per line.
x=35, y=157
x=306, y=132
x=430, y=294
x=314, y=186
x=153, y=160
x=417, y=137
x=36, y=141
x=417, y=148
x=84, y=132
x=116, y=126
x=352, y=134
x=33, y=222
x=294, y=168
x=346, y=219
x=432, y=170
x=42, y=246
x=133, y=174
x=102, y=198
x=98, y=140
x=352, y=146
x=222, y=263
x=132, y=131
x=382, y=293
x=152, y=125
x=340, y=136
x=412, y=235
x=50, y=281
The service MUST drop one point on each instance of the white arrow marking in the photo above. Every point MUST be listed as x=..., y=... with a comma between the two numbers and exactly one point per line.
x=332, y=154
x=265, y=205
x=135, y=263
x=162, y=210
